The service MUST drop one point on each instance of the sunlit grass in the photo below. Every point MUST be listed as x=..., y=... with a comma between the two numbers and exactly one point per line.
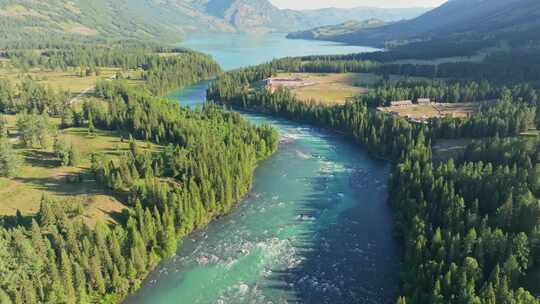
x=42, y=174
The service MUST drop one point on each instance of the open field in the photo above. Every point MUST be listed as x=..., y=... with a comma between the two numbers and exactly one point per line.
x=413, y=111
x=422, y=112
x=41, y=174
x=67, y=80
x=337, y=88
x=462, y=109
x=134, y=77
x=330, y=88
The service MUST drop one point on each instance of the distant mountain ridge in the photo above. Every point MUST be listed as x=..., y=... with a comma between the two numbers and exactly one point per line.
x=329, y=31
x=481, y=18
x=170, y=18
x=332, y=16
x=261, y=15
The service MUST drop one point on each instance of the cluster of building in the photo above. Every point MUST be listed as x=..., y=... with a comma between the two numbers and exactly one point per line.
x=402, y=107
x=407, y=103
x=274, y=83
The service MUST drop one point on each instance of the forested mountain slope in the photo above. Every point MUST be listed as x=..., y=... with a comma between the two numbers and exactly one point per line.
x=329, y=31
x=167, y=18
x=261, y=15
x=466, y=18
x=332, y=16
x=252, y=15
x=133, y=18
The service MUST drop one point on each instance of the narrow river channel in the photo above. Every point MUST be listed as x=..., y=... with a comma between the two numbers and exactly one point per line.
x=316, y=227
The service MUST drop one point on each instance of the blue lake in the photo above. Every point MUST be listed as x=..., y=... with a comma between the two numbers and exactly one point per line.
x=235, y=51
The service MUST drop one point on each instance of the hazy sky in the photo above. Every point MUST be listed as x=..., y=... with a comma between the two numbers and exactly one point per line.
x=310, y=4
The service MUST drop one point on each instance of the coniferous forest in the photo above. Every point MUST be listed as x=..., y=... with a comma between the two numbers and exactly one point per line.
x=205, y=166
x=468, y=223
x=469, y=226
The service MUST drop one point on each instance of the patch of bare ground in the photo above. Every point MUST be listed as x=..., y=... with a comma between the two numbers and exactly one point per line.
x=422, y=112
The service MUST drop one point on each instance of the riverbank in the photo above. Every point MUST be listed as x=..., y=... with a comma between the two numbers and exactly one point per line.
x=316, y=207
x=317, y=192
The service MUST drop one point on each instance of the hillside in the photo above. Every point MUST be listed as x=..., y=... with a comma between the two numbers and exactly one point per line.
x=166, y=19
x=108, y=18
x=477, y=19
x=251, y=15
x=329, y=31
x=261, y=15
x=333, y=16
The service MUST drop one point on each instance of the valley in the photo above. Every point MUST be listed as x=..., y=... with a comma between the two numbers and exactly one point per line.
x=274, y=245
x=187, y=151
x=167, y=20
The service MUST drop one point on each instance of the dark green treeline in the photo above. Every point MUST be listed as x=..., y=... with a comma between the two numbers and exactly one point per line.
x=470, y=227
x=205, y=165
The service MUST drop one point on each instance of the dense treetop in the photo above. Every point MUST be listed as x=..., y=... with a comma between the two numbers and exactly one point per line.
x=470, y=226
x=205, y=165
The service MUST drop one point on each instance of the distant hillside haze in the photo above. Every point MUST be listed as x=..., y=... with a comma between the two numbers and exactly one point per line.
x=470, y=16
x=142, y=19
x=164, y=19
x=328, y=32
x=332, y=16
x=262, y=16
x=318, y=4
x=509, y=19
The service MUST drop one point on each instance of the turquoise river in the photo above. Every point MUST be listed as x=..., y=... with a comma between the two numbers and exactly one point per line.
x=315, y=228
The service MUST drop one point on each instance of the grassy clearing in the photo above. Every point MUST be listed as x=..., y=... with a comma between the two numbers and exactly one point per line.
x=330, y=88
x=134, y=77
x=434, y=110
x=67, y=80
x=413, y=111
x=60, y=80
x=462, y=109
x=339, y=87
x=41, y=174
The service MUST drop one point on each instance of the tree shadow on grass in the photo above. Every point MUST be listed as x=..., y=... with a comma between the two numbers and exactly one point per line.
x=43, y=159
x=64, y=189
x=61, y=186
x=119, y=217
x=10, y=221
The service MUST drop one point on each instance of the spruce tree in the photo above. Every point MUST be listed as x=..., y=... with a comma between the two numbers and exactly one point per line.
x=10, y=161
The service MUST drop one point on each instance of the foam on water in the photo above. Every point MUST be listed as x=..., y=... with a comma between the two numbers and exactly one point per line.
x=328, y=167
x=303, y=155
